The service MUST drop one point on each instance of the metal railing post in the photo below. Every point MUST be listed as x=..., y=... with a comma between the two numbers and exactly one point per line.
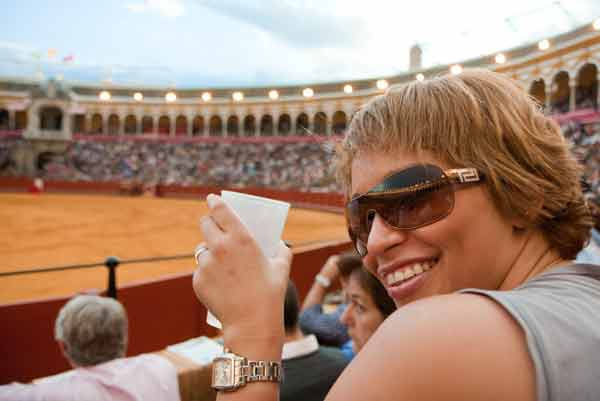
x=111, y=263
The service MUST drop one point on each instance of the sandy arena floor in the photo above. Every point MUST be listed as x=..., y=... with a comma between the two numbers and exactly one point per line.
x=54, y=230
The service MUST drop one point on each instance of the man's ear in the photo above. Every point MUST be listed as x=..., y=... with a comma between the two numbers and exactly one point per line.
x=63, y=348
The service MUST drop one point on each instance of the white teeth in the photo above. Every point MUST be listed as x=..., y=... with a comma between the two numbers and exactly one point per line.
x=415, y=269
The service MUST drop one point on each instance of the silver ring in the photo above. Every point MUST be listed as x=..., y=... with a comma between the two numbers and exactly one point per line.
x=200, y=249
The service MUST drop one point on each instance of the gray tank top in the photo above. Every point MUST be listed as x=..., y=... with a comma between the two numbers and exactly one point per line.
x=559, y=311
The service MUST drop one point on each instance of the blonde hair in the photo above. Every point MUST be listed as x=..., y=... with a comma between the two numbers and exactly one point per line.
x=484, y=120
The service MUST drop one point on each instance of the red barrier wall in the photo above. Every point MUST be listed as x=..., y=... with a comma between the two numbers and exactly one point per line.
x=161, y=312
x=334, y=200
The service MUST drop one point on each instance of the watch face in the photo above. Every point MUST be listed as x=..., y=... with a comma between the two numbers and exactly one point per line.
x=222, y=373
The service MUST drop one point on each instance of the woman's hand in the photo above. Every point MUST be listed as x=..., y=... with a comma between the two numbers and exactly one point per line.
x=235, y=280
x=330, y=269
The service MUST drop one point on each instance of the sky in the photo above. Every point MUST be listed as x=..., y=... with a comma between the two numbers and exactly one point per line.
x=245, y=43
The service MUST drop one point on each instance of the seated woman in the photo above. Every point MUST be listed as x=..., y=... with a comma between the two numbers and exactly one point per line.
x=465, y=202
x=368, y=303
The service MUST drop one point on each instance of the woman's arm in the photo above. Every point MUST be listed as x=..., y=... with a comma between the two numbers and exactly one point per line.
x=454, y=347
x=245, y=291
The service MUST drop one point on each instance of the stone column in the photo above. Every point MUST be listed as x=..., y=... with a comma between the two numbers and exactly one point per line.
x=87, y=123
x=12, y=119
x=206, y=126
x=122, y=117
x=173, y=122
x=572, y=93
x=105, y=116
x=190, y=124
x=223, y=116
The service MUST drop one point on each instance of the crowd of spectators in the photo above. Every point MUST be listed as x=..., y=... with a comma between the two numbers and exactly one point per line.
x=293, y=166
x=585, y=140
x=301, y=166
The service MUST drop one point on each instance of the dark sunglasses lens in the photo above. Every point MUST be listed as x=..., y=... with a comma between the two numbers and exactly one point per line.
x=419, y=208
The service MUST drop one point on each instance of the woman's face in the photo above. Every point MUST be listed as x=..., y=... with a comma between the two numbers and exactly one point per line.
x=474, y=246
x=361, y=316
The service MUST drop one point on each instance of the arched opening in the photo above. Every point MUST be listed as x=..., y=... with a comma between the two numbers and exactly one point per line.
x=302, y=125
x=51, y=118
x=586, y=93
x=561, y=94
x=130, y=124
x=233, y=126
x=147, y=125
x=249, y=125
x=4, y=119
x=45, y=160
x=181, y=127
x=320, y=123
x=215, y=126
x=113, y=124
x=198, y=126
x=266, y=125
x=21, y=120
x=96, y=124
x=285, y=124
x=537, y=90
x=164, y=125
x=338, y=122
x=78, y=123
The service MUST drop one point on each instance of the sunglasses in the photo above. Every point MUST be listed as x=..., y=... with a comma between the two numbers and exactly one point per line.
x=407, y=199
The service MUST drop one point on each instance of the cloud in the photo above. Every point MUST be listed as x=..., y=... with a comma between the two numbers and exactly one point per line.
x=300, y=24
x=167, y=8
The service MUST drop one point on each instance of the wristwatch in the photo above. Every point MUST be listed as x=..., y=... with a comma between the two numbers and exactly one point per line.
x=231, y=371
x=322, y=280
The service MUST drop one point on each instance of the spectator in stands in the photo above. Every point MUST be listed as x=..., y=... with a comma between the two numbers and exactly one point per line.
x=456, y=185
x=92, y=334
x=309, y=369
x=591, y=253
x=368, y=303
x=313, y=319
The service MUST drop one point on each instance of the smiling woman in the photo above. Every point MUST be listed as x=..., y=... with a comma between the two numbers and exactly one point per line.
x=467, y=207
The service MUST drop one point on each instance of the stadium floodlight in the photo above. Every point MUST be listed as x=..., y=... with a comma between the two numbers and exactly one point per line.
x=237, y=96
x=382, y=84
x=500, y=58
x=348, y=88
x=104, y=96
x=138, y=97
x=273, y=94
x=206, y=96
x=544, y=44
x=308, y=92
x=420, y=77
x=596, y=24
x=170, y=97
x=456, y=69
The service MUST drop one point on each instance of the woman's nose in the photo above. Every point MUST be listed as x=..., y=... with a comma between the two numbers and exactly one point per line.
x=345, y=317
x=381, y=238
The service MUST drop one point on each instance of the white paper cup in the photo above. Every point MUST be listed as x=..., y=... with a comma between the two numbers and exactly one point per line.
x=263, y=217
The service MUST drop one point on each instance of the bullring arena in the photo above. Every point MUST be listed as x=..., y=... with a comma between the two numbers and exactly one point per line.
x=125, y=171
x=66, y=229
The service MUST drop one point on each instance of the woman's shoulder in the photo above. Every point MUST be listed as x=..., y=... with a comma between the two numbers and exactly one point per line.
x=459, y=346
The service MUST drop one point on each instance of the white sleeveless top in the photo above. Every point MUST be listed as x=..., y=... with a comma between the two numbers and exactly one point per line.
x=559, y=311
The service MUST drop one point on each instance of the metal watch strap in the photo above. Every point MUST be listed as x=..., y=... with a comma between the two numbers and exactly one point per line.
x=256, y=371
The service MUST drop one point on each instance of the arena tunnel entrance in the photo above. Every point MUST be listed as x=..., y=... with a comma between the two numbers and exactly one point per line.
x=47, y=161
